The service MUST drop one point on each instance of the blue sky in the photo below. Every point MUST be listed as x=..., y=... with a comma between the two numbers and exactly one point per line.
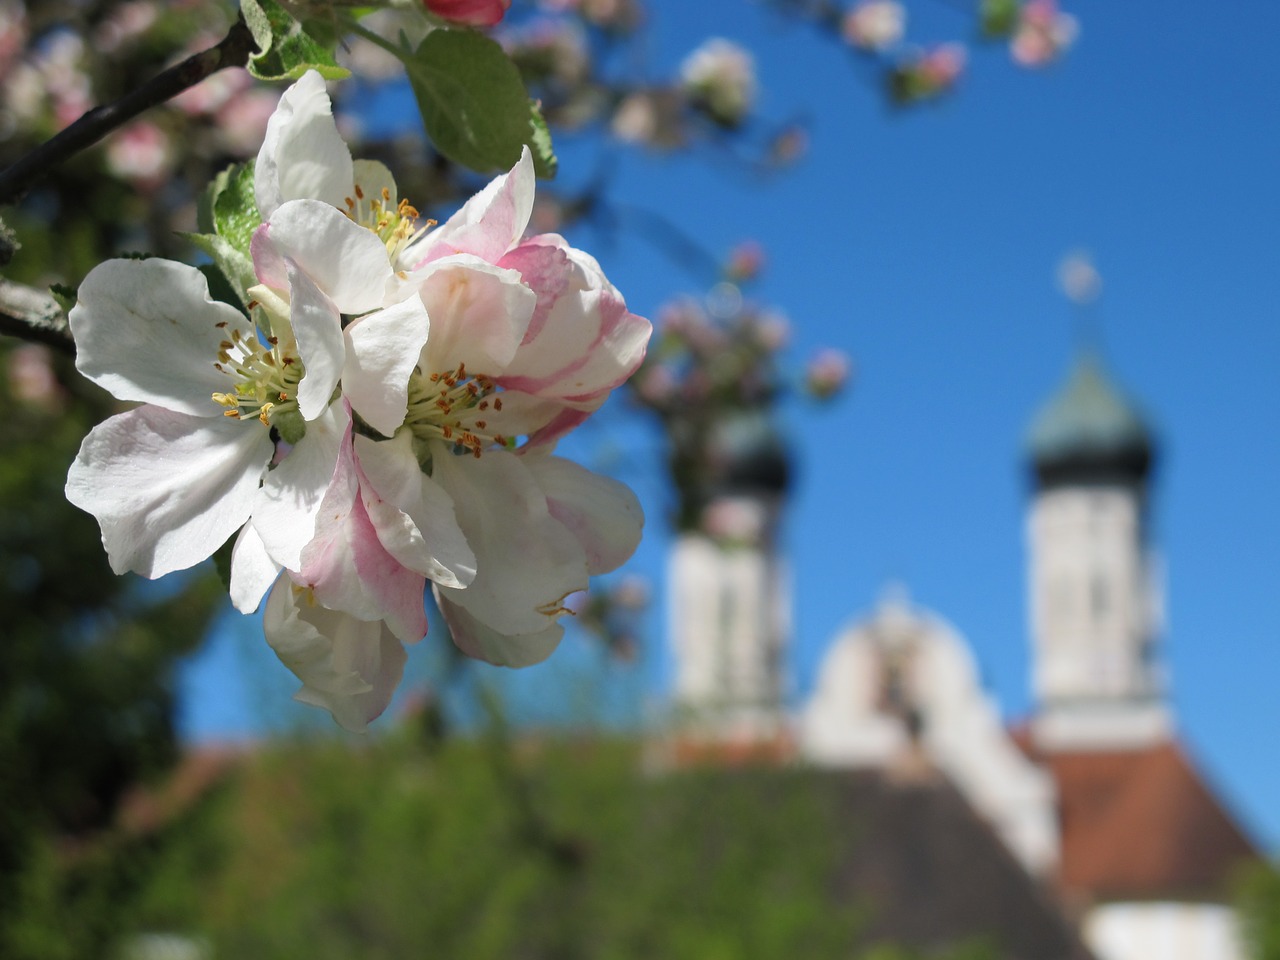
x=925, y=245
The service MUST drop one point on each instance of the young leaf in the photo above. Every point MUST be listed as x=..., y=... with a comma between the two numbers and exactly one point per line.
x=288, y=47
x=473, y=103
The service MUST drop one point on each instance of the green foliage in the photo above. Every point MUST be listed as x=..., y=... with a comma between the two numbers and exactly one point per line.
x=86, y=698
x=997, y=18
x=1259, y=902
x=483, y=850
x=288, y=47
x=228, y=216
x=474, y=105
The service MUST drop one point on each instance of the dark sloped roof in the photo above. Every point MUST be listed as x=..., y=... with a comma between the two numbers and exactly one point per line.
x=1089, y=428
x=1140, y=825
x=932, y=873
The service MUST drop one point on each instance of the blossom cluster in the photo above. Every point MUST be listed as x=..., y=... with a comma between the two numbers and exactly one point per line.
x=384, y=419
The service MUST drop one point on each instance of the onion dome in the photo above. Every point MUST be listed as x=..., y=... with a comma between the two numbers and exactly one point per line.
x=748, y=455
x=1089, y=431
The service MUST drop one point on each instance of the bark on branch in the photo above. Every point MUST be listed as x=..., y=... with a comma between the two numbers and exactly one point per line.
x=34, y=315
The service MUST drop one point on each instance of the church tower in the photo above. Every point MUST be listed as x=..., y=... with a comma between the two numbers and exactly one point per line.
x=1094, y=599
x=729, y=596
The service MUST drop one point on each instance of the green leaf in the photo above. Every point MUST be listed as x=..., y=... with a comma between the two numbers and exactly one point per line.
x=235, y=266
x=998, y=18
x=234, y=206
x=222, y=561
x=474, y=105
x=288, y=47
x=64, y=295
x=228, y=216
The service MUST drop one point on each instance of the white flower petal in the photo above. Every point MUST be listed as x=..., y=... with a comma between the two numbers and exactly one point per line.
x=482, y=642
x=602, y=513
x=382, y=350
x=302, y=156
x=347, y=666
x=372, y=177
x=168, y=489
x=252, y=570
x=317, y=325
x=284, y=512
x=416, y=523
x=490, y=223
x=342, y=258
x=527, y=562
x=479, y=314
x=147, y=330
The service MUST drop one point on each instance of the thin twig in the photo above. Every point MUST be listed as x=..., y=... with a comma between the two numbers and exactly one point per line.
x=232, y=51
x=34, y=315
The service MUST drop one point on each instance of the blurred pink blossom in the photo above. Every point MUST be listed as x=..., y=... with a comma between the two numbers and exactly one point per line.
x=827, y=373
x=31, y=377
x=746, y=260
x=124, y=23
x=209, y=95
x=242, y=121
x=140, y=153
x=874, y=24
x=942, y=66
x=1043, y=33
x=773, y=330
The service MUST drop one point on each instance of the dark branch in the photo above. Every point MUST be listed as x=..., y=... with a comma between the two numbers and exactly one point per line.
x=34, y=315
x=233, y=51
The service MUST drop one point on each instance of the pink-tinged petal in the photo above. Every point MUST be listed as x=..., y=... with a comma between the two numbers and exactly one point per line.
x=252, y=570
x=285, y=510
x=347, y=666
x=478, y=313
x=475, y=13
x=347, y=567
x=589, y=344
x=382, y=349
x=268, y=264
x=481, y=642
x=602, y=513
x=302, y=156
x=168, y=489
x=489, y=224
x=412, y=513
x=147, y=330
x=342, y=258
x=317, y=325
x=616, y=354
x=568, y=419
x=527, y=562
x=546, y=270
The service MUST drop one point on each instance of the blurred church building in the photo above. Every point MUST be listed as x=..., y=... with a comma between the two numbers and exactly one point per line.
x=1091, y=808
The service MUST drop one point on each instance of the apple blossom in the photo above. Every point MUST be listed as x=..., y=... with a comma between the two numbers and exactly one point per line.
x=1043, y=33
x=874, y=24
x=171, y=480
x=720, y=77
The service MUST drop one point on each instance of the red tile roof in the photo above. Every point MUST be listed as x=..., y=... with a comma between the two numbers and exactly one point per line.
x=1141, y=825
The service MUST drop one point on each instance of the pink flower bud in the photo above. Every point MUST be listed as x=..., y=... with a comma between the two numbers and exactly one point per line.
x=827, y=374
x=474, y=13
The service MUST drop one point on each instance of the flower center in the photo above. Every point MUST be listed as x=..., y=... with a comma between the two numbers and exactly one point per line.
x=453, y=406
x=266, y=376
x=396, y=226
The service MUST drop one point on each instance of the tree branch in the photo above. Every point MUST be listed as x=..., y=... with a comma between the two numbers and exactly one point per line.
x=34, y=315
x=232, y=51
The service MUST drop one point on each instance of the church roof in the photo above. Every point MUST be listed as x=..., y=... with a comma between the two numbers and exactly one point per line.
x=931, y=872
x=1089, y=427
x=1142, y=825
